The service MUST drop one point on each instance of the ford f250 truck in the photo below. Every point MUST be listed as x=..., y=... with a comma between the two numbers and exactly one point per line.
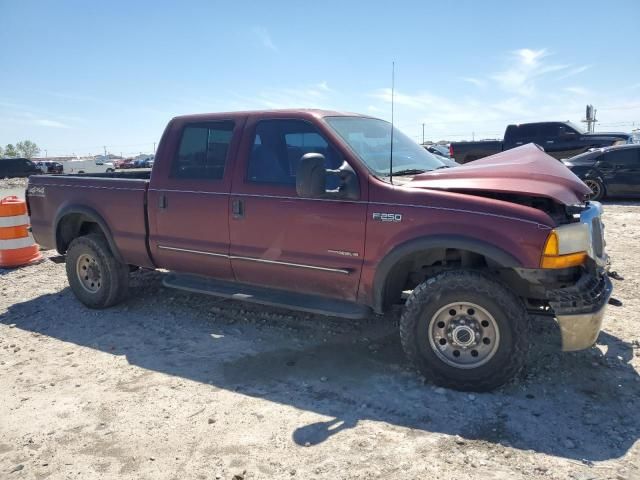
x=304, y=209
x=559, y=139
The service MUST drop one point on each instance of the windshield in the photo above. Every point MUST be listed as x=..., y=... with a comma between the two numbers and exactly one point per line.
x=370, y=139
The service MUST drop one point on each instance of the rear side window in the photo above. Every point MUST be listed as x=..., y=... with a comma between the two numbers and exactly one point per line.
x=203, y=151
x=551, y=130
x=624, y=157
x=278, y=146
x=526, y=131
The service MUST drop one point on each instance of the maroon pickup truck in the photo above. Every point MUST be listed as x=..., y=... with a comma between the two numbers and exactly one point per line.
x=303, y=209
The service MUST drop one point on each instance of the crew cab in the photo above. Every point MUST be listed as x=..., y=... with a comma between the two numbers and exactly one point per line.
x=559, y=139
x=312, y=210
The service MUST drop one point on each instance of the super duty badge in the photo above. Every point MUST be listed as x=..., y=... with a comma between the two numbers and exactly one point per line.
x=387, y=217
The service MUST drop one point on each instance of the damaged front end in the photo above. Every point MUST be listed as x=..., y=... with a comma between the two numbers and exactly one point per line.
x=576, y=293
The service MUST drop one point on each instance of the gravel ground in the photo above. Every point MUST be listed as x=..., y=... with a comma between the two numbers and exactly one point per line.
x=175, y=385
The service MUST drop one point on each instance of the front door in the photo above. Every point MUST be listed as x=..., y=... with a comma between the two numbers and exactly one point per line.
x=278, y=239
x=188, y=203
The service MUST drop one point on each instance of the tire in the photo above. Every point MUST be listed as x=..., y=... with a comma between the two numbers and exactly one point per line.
x=110, y=170
x=485, y=311
x=107, y=280
x=597, y=187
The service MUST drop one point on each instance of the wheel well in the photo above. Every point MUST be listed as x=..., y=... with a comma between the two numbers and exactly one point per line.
x=72, y=226
x=414, y=268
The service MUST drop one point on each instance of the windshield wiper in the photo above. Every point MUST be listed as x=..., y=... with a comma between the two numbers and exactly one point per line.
x=409, y=171
x=442, y=166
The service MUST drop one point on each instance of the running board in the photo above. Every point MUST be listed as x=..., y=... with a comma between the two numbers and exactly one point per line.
x=267, y=296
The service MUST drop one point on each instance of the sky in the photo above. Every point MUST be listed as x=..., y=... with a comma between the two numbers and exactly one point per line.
x=78, y=76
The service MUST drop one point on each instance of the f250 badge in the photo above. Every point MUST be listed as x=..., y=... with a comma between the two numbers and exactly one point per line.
x=387, y=217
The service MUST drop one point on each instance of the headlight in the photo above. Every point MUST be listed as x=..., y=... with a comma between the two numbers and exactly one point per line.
x=566, y=246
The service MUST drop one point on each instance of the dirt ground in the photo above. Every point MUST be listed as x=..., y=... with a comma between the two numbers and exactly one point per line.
x=175, y=385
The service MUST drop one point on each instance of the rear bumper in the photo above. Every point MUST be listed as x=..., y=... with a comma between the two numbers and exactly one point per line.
x=580, y=309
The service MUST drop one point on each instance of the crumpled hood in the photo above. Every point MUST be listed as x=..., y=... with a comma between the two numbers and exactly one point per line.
x=525, y=170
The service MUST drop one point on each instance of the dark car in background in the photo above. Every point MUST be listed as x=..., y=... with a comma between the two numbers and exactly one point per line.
x=610, y=171
x=559, y=139
x=441, y=150
x=50, y=167
x=17, y=167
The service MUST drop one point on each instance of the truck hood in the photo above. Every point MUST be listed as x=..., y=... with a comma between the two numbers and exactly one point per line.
x=524, y=170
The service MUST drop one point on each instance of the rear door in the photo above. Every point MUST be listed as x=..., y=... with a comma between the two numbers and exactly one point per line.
x=188, y=201
x=308, y=245
x=521, y=135
x=621, y=171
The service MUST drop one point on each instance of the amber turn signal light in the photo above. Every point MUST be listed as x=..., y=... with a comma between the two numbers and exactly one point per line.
x=551, y=257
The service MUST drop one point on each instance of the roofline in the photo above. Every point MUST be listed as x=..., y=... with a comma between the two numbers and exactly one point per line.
x=282, y=113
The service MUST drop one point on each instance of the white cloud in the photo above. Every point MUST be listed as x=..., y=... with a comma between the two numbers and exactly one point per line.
x=525, y=67
x=265, y=38
x=475, y=81
x=574, y=71
x=305, y=96
x=577, y=90
x=43, y=122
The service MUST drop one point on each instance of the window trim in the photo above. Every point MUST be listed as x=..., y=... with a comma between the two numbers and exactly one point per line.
x=206, y=124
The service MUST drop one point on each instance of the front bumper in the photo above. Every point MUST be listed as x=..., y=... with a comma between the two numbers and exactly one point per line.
x=580, y=309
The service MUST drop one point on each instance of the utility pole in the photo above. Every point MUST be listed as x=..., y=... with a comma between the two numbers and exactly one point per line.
x=154, y=148
x=473, y=136
x=423, y=134
x=46, y=155
x=105, y=152
x=590, y=118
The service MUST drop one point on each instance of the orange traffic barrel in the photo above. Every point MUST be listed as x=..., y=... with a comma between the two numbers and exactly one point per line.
x=17, y=246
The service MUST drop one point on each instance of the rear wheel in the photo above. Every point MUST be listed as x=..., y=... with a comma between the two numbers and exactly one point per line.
x=95, y=276
x=597, y=188
x=465, y=330
x=110, y=170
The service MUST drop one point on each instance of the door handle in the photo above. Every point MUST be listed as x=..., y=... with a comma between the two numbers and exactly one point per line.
x=549, y=141
x=237, y=208
x=162, y=201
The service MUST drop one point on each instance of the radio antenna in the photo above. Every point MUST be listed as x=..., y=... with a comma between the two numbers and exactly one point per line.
x=393, y=72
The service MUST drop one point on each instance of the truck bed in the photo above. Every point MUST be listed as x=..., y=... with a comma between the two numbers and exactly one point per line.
x=465, y=152
x=116, y=200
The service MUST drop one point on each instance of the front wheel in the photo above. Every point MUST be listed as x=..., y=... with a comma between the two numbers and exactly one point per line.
x=110, y=170
x=597, y=188
x=465, y=330
x=95, y=276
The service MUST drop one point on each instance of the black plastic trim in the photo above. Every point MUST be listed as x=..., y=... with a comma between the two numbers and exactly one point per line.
x=499, y=256
x=93, y=216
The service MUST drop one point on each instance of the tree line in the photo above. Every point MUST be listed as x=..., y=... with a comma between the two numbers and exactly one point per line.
x=24, y=149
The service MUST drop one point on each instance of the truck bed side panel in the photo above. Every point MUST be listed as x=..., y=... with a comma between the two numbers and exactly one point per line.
x=119, y=202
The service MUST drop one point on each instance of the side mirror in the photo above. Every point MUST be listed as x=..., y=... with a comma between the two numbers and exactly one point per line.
x=311, y=177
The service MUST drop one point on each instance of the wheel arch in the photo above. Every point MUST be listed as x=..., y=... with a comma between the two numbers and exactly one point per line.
x=393, y=270
x=77, y=220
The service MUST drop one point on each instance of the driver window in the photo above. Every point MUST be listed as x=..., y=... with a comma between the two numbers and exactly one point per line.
x=278, y=146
